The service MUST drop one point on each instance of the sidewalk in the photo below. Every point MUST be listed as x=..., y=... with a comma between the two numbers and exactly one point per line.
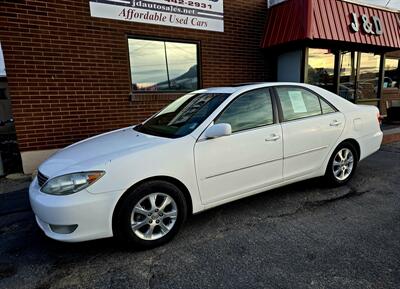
x=391, y=134
x=8, y=186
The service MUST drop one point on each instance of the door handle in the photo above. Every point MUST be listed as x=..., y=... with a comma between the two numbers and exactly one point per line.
x=273, y=137
x=335, y=123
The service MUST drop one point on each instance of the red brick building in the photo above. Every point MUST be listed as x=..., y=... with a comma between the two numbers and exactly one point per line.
x=73, y=73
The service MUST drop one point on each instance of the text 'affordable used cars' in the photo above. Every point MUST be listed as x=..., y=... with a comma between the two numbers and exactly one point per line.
x=209, y=147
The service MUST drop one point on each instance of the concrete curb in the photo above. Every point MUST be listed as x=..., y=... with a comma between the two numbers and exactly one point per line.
x=391, y=135
x=390, y=138
x=14, y=202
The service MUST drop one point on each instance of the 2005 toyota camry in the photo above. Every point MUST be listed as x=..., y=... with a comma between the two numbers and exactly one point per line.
x=207, y=148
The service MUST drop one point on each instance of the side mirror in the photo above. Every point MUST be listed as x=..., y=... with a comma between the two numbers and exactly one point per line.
x=218, y=130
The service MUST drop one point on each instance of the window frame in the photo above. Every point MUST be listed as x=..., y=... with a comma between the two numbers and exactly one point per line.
x=165, y=39
x=275, y=113
x=279, y=105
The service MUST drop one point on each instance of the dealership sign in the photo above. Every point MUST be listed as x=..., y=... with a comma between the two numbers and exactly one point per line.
x=371, y=25
x=196, y=14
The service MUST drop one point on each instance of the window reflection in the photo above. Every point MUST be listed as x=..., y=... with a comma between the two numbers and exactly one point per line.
x=182, y=63
x=251, y=110
x=391, y=88
x=359, y=76
x=392, y=73
x=347, y=72
x=161, y=65
x=321, y=68
x=367, y=84
x=298, y=103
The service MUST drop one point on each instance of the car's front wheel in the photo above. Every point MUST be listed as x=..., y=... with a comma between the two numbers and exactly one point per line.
x=150, y=214
x=342, y=164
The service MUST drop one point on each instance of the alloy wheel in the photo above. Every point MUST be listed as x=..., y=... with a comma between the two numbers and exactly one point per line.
x=343, y=164
x=154, y=216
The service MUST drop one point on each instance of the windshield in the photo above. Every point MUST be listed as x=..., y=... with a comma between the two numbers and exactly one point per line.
x=182, y=116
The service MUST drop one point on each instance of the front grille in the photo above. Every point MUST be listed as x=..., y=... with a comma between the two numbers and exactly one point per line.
x=42, y=179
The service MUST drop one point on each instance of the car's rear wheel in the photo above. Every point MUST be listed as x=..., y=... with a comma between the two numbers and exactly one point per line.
x=342, y=164
x=150, y=215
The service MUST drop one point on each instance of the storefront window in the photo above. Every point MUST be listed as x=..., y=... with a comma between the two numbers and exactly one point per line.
x=321, y=68
x=358, y=74
x=392, y=73
x=390, y=91
x=162, y=65
x=367, y=84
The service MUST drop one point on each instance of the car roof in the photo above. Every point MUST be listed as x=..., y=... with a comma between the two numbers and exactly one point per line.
x=340, y=103
x=246, y=86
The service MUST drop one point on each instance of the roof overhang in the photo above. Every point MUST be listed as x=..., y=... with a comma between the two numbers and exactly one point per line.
x=332, y=20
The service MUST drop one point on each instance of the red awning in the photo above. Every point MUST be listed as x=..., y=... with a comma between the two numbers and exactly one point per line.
x=336, y=20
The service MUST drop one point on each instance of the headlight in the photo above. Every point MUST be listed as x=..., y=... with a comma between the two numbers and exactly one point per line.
x=71, y=183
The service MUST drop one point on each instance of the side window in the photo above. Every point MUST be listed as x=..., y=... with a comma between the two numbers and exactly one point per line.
x=326, y=107
x=298, y=103
x=250, y=110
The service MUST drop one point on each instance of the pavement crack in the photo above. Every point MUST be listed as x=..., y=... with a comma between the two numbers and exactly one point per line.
x=151, y=279
x=353, y=192
x=311, y=204
x=285, y=214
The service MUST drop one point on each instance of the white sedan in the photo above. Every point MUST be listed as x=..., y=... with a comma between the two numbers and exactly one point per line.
x=209, y=147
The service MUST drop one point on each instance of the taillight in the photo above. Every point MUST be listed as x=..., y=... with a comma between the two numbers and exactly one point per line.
x=379, y=118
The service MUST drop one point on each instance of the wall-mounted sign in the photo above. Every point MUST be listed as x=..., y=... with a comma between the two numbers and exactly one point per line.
x=194, y=14
x=370, y=25
x=274, y=2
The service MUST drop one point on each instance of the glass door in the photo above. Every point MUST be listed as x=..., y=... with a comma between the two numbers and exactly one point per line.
x=359, y=77
x=368, y=78
x=348, y=75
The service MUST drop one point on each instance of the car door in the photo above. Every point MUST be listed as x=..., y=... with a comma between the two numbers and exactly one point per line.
x=248, y=159
x=310, y=127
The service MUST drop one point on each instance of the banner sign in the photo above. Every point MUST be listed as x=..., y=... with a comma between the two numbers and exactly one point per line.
x=196, y=14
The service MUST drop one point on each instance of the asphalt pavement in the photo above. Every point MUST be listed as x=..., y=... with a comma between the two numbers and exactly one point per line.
x=305, y=235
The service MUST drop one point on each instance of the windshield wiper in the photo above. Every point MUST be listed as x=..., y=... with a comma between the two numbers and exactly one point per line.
x=146, y=130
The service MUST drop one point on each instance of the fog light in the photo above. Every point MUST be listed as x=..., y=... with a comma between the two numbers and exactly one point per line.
x=63, y=229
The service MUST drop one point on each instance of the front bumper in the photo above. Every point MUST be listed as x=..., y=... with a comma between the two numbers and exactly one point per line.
x=92, y=213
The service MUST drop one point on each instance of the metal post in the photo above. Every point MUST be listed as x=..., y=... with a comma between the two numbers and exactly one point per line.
x=381, y=80
x=166, y=64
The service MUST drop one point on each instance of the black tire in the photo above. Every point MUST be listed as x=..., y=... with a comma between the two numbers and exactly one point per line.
x=329, y=173
x=122, y=225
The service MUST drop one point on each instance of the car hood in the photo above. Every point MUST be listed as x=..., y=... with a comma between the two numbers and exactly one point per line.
x=95, y=152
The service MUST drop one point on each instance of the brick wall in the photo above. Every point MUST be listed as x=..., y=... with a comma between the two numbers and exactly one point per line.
x=68, y=72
